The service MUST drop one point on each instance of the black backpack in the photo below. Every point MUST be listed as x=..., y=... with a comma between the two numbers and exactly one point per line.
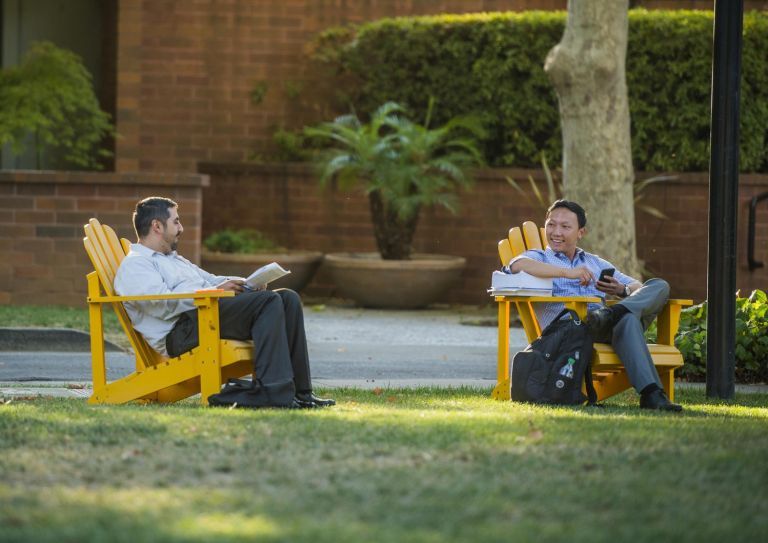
x=550, y=370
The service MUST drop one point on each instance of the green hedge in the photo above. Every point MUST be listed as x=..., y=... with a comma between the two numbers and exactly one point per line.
x=492, y=65
x=751, y=348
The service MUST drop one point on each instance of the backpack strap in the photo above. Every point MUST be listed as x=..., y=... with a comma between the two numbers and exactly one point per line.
x=563, y=313
x=589, y=385
x=591, y=392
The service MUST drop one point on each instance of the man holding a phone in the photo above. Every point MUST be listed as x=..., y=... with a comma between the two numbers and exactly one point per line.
x=576, y=272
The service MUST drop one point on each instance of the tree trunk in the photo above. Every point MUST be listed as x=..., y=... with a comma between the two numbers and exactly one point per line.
x=394, y=235
x=587, y=69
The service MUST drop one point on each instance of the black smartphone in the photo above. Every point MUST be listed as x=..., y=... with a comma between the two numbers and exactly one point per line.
x=607, y=272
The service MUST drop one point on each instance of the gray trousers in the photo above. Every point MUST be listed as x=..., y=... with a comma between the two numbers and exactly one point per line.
x=627, y=337
x=274, y=320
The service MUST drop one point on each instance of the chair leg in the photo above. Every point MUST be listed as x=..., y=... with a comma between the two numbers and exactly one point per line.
x=98, y=358
x=210, y=379
x=668, y=382
x=612, y=384
x=210, y=348
x=502, y=389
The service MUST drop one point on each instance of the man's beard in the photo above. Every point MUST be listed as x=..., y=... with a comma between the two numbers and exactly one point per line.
x=174, y=244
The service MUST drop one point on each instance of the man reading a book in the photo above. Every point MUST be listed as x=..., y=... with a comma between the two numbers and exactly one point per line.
x=274, y=320
x=576, y=272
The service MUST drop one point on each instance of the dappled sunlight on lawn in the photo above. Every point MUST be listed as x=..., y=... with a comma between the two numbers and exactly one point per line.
x=383, y=465
x=215, y=525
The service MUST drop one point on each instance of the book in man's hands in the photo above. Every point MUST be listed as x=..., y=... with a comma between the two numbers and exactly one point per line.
x=265, y=274
x=519, y=284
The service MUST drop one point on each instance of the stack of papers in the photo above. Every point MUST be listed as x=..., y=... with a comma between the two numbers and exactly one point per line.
x=519, y=284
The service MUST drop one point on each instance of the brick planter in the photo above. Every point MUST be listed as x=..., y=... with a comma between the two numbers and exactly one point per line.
x=394, y=284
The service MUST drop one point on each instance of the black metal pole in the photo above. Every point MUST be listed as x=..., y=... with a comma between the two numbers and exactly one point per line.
x=723, y=198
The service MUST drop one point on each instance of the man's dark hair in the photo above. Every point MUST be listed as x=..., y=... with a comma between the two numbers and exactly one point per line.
x=149, y=209
x=581, y=215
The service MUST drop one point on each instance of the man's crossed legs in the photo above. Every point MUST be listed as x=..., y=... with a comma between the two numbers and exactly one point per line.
x=622, y=325
x=274, y=320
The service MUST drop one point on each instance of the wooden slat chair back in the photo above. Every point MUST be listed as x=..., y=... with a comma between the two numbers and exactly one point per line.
x=106, y=252
x=157, y=378
x=609, y=375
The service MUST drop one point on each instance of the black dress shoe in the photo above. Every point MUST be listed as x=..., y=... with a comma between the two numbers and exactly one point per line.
x=299, y=404
x=600, y=322
x=310, y=398
x=656, y=399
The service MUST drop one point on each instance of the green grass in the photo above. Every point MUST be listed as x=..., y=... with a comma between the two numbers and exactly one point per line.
x=425, y=465
x=57, y=316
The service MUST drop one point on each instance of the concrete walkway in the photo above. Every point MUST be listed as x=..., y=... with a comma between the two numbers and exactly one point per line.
x=347, y=346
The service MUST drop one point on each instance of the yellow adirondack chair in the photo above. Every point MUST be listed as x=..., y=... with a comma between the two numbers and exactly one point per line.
x=157, y=378
x=609, y=375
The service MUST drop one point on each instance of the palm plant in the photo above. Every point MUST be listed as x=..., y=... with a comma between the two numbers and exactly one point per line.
x=401, y=165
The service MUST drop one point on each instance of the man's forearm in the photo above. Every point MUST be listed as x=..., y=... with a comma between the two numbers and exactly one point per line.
x=538, y=269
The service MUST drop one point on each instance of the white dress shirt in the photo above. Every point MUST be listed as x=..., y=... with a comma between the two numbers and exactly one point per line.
x=144, y=271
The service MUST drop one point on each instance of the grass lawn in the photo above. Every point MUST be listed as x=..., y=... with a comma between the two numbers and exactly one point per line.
x=426, y=465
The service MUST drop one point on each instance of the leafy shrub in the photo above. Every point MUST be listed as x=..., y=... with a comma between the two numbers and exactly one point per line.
x=291, y=146
x=491, y=64
x=49, y=99
x=751, y=339
x=239, y=241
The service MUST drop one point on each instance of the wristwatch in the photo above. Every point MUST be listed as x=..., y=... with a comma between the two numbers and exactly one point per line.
x=627, y=292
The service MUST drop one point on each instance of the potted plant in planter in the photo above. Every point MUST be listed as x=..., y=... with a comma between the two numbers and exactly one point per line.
x=240, y=252
x=402, y=166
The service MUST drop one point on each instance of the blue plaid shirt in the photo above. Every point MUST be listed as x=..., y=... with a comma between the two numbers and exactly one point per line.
x=570, y=287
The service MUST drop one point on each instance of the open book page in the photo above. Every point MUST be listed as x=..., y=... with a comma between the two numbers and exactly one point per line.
x=266, y=274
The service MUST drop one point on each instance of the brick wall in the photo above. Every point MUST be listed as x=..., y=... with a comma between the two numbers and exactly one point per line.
x=42, y=213
x=41, y=226
x=284, y=201
x=185, y=70
x=676, y=249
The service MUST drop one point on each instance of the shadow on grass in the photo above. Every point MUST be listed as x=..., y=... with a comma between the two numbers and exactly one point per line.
x=440, y=417
x=205, y=516
x=415, y=465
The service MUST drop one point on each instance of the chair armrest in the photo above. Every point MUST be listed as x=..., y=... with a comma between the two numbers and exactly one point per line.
x=200, y=294
x=550, y=299
x=668, y=321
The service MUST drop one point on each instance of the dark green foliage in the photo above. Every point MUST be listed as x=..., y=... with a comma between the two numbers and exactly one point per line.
x=49, y=100
x=239, y=241
x=751, y=339
x=291, y=146
x=492, y=65
x=258, y=92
